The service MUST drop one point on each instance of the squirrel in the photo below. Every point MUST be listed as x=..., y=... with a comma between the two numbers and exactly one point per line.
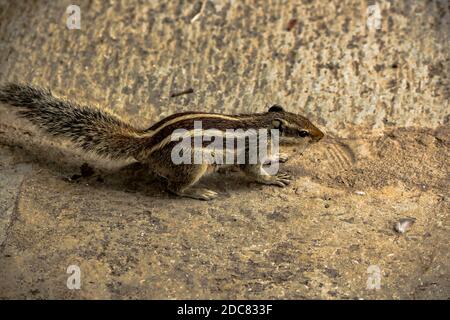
x=108, y=136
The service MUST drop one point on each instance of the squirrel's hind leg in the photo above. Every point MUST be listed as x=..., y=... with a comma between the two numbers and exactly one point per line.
x=183, y=177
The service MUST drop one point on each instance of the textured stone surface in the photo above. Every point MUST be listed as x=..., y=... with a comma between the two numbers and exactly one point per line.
x=314, y=239
x=239, y=57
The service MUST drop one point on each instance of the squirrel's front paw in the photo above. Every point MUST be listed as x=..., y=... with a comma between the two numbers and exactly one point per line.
x=281, y=179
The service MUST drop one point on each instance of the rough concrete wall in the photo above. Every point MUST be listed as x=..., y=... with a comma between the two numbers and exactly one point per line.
x=319, y=58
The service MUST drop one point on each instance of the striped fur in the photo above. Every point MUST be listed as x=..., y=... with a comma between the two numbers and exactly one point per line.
x=103, y=133
x=177, y=117
x=106, y=135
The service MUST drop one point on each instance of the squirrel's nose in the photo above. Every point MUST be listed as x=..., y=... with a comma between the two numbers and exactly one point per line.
x=318, y=135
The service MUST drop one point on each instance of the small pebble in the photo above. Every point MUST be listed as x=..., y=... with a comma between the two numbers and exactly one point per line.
x=404, y=224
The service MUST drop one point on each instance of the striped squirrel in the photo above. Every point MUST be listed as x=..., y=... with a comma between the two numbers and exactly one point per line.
x=108, y=136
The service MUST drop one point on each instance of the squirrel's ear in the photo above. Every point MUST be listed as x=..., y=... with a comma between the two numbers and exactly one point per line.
x=276, y=108
x=277, y=124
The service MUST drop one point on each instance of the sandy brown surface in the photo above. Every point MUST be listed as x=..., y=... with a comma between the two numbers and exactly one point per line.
x=314, y=239
x=382, y=98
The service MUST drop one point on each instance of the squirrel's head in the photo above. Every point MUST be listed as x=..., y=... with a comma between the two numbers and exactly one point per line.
x=294, y=129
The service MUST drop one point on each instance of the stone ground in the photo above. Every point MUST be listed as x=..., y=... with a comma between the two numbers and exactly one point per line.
x=382, y=97
x=314, y=239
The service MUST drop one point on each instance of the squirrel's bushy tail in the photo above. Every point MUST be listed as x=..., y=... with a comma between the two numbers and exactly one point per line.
x=89, y=128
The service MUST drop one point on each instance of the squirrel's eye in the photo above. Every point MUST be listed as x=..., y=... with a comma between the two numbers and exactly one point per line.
x=303, y=133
